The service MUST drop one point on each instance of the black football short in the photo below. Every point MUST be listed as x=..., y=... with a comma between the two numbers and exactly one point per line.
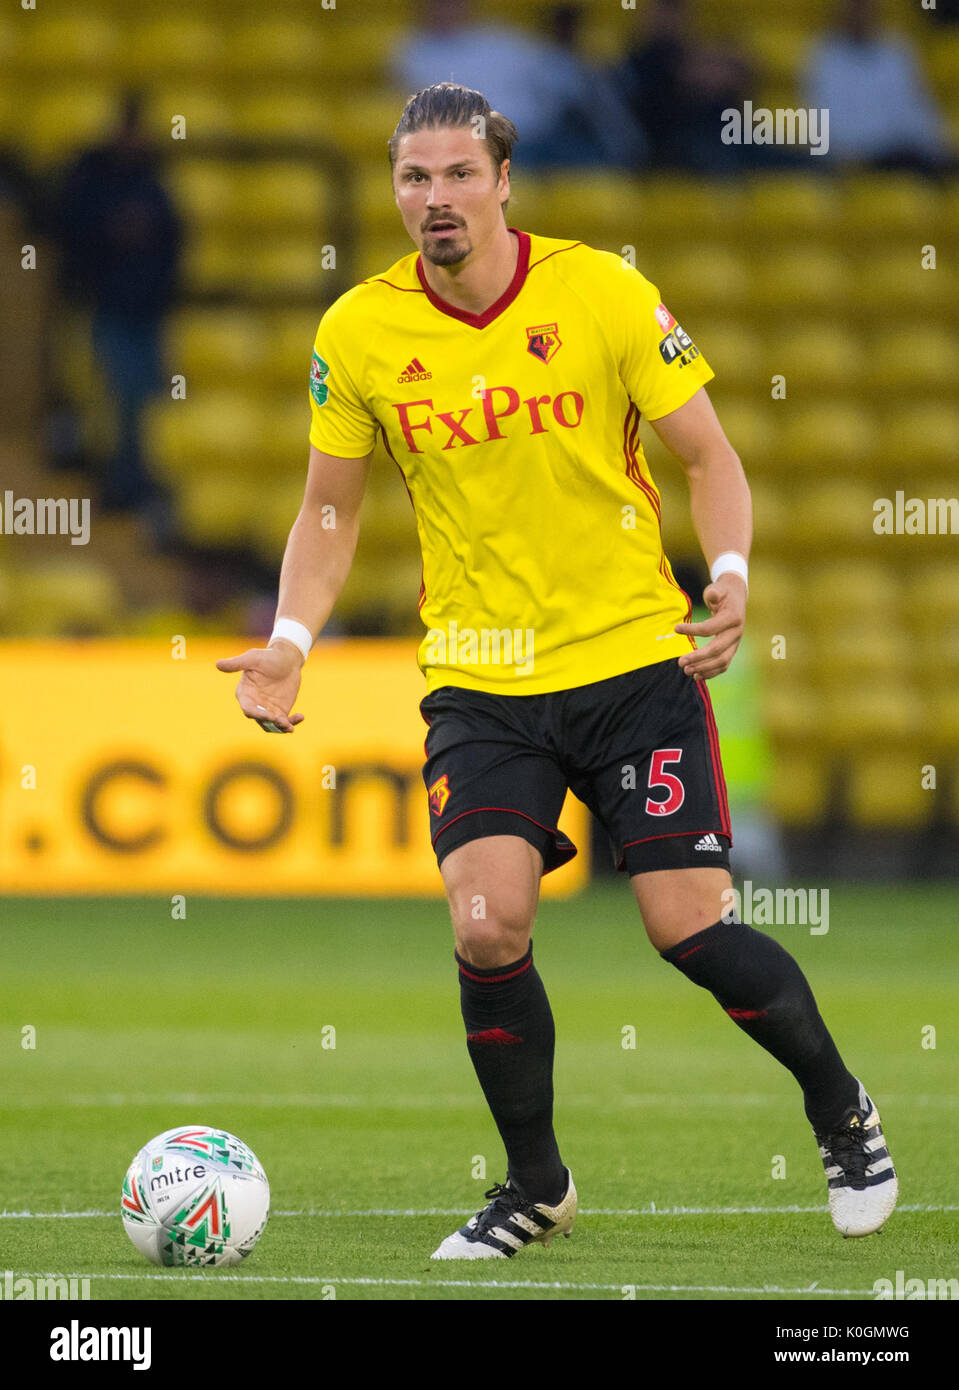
x=641, y=750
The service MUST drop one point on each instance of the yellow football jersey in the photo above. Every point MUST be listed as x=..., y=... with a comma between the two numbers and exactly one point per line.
x=517, y=433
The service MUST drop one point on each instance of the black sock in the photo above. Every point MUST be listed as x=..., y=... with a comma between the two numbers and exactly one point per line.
x=763, y=990
x=510, y=1038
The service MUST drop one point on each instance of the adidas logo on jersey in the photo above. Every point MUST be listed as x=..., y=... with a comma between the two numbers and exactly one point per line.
x=414, y=372
x=708, y=842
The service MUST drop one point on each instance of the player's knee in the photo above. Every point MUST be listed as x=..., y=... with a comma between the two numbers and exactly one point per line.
x=490, y=934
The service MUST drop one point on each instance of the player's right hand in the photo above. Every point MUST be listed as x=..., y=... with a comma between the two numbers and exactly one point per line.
x=269, y=685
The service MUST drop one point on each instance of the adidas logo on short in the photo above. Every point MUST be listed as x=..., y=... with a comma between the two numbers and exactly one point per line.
x=414, y=372
x=708, y=842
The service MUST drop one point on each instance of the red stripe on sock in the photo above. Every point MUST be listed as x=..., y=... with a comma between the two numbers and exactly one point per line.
x=495, y=1036
x=746, y=1014
x=496, y=979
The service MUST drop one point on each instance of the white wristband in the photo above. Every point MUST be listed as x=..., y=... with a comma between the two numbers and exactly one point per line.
x=730, y=562
x=294, y=632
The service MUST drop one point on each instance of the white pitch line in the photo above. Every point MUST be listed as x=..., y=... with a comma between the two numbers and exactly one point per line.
x=370, y=1282
x=717, y=1099
x=652, y=1210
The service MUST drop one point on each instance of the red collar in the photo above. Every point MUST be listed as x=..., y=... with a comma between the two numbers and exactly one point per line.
x=497, y=307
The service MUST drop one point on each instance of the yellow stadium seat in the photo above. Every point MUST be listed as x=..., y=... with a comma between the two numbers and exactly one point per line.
x=286, y=446
x=931, y=605
x=77, y=44
x=363, y=128
x=685, y=209
x=807, y=278
x=358, y=53
x=218, y=508
x=792, y=204
x=773, y=516
x=76, y=597
x=291, y=264
x=168, y=45
x=825, y=514
x=793, y=712
x=800, y=787
x=863, y=590
x=206, y=191
x=884, y=790
x=862, y=716
x=65, y=118
x=829, y=437
x=752, y=430
x=198, y=110
x=217, y=261
x=273, y=517
x=376, y=212
x=942, y=64
x=374, y=253
x=215, y=347
x=873, y=206
x=892, y=286
x=817, y=356
x=774, y=592
x=284, y=193
x=706, y=279
x=590, y=206
x=920, y=438
x=921, y=358
x=853, y=649
x=733, y=350
x=288, y=337
x=209, y=430
x=286, y=46
x=299, y=114
x=778, y=49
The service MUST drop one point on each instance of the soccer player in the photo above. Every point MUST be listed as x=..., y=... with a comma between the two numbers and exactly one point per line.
x=506, y=374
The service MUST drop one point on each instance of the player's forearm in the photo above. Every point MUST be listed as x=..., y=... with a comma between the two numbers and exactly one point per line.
x=316, y=564
x=719, y=502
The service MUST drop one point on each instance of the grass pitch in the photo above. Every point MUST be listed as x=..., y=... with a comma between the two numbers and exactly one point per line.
x=372, y=1146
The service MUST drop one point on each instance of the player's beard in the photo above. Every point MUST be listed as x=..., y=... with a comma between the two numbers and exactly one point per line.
x=449, y=250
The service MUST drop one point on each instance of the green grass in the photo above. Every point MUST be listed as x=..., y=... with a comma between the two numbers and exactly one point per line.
x=143, y=1023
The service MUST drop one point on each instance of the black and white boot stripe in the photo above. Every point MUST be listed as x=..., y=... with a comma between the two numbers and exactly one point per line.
x=507, y=1224
x=860, y=1175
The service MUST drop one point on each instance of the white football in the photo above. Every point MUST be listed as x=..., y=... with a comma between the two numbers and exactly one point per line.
x=195, y=1196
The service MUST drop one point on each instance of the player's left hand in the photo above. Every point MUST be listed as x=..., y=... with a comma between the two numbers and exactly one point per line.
x=726, y=601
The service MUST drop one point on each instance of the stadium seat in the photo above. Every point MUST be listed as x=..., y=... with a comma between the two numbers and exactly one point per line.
x=835, y=589
x=53, y=44
x=206, y=114
x=206, y=191
x=592, y=206
x=301, y=115
x=800, y=787
x=884, y=790
x=828, y=515
x=813, y=277
x=779, y=50
x=208, y=431
x=892, y=285
x=217, y=261
x=817, y=356
x=285, y=46
x=293, y=265
x=793, y=712
x=794, y=205
x=219, y=508
x=212, y=346
x=162, y=46
x=362, y=129
x=920, y=437
x=858, y=717
x=76, y=597
x=931, y=605
x=287, y=340
x=916, y=358
x=734, y=351
x=753, y=430
x=707, y=279
x=832, y=436
x=276, y=194
x=272, y=517
x=65, y=118
x=875, y=206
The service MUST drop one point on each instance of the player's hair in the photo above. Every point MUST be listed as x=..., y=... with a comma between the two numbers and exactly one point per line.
x=449, y=104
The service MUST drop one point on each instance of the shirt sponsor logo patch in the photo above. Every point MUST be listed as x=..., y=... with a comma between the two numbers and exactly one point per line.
x=664, y=318
x=679, y=347
x=319, y=371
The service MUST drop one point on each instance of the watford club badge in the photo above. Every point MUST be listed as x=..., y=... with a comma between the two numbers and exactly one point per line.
x=440, y=794
x=544, y=341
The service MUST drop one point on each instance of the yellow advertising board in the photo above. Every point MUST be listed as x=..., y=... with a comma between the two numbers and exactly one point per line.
x=129, y=767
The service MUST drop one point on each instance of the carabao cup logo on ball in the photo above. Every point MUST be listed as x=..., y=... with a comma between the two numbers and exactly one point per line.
x=195, y=1196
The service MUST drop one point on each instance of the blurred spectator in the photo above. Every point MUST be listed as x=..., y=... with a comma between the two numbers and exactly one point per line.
x=566, y=113
x=880, y=109
x=678, y=88
x=120, y=240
